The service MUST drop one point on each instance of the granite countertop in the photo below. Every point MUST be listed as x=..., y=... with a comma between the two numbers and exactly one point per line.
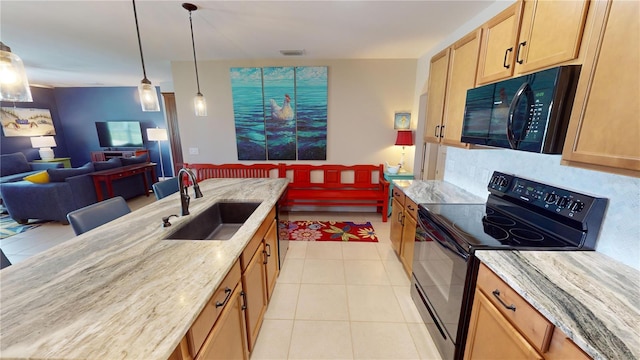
x=592, y=298
x=436, y=192
x=120, y=291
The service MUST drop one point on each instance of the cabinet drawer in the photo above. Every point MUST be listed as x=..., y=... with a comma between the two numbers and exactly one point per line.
x=204, y=322
x=411, y=208
x=535, y=327
x=398, y=195
x=562, y=348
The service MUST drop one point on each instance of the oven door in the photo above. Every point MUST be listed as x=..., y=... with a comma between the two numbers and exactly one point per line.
x=440, y=267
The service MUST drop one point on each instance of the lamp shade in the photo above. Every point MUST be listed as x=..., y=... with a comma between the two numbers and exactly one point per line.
x=14, y=85
x=404, y=138
x=43, y=141
x=157, y=134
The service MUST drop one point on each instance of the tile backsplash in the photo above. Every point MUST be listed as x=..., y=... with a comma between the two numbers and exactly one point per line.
x=620, y=233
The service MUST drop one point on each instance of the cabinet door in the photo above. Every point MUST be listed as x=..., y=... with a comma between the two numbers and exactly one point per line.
x=408, y=241
x=462, y=77
x=491, y=336
x=438, y=70
x=604, y=127
x=550, y=33
x=254, y=282
x=499, y=39
x=397, y=212
x=228, y=339
x=271, y=253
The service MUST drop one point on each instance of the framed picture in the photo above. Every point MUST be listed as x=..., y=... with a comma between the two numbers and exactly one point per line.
x=26, y=122
x=402, y=121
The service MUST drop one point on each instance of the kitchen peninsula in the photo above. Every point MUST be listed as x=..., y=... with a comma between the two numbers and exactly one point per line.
x=121, y=291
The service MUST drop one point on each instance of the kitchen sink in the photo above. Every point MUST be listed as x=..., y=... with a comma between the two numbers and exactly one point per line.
x=219, y=222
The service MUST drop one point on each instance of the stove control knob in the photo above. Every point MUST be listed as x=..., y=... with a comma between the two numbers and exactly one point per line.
x=503, y=181
x=577, y=206
x=562, y=201
x=550, y=198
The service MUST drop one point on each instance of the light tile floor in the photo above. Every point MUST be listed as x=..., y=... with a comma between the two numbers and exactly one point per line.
x=332, y=300
x=336, y=300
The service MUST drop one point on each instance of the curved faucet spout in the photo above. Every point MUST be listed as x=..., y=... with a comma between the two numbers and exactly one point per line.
x=184, y=189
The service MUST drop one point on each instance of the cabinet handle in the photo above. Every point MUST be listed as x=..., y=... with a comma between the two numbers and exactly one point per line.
x=268, y=247
x=266, y=257
x=399, y=217
x=518, y=52
x=441, y=128
x=244, y=300
x=435, y=133
x=504, y=61
x=226, y=299
x=496, y=293
x=410, y=207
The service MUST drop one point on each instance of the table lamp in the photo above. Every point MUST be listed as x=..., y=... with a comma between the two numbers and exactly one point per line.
x=44, y=143
x=404, y=138
x=158, y=135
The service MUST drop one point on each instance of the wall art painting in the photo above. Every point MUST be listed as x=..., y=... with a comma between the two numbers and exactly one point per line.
x=402, y=121
x=280, y=112
x=26, y=122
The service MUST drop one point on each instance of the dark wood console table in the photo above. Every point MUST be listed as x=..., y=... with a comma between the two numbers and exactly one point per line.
x=107, y=177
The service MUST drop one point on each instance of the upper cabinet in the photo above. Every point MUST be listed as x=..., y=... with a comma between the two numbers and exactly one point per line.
x=604, y=128
x=531, y=35
x=447, y=95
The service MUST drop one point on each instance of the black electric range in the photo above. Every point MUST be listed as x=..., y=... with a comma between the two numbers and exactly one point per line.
x=519, y=214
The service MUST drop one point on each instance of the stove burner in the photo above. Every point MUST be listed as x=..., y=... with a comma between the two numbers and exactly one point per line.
x=499, y=220
x=496, y=232
x=489, y=211
x=527, y=235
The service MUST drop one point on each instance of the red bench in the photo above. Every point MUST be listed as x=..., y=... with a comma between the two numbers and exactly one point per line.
x=336, y=185
x=208, y=171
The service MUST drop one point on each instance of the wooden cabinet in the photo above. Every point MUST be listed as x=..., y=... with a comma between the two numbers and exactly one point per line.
x=271, y=257
x=499, y=39
x=505, y=326
x=438, y=71
x=403, y=228
x=604, y=129
x=461, y=77
x=530, y=36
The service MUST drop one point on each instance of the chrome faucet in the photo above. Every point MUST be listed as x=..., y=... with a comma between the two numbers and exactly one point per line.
x=184, y=189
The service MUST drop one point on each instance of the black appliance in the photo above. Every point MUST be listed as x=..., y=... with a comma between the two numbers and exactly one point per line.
x=529, y=113
x=519, y=214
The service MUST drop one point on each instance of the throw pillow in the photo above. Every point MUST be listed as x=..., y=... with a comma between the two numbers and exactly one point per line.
x=38, y=178
x=134, y=160
x=15, y=163
x=106, y=165
x=59, y=175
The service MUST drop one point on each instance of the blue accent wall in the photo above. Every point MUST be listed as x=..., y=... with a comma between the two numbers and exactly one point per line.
x=80, y=108
x=43, y=98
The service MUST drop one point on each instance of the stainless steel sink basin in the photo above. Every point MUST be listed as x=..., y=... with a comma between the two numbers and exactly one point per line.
x=219, y=222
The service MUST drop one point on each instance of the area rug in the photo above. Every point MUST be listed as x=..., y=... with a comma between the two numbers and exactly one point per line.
x=327, y=231
x=8, y=227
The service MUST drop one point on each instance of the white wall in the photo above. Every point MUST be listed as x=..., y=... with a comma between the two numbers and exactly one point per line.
x=363, y=96
x=470, y=169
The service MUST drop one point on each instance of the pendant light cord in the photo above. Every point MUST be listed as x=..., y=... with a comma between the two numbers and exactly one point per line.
x=135, y=15
x=195, y=62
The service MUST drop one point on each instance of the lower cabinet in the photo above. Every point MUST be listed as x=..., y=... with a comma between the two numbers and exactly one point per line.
x=505, y=326
x=404, y=213
x=228, y=326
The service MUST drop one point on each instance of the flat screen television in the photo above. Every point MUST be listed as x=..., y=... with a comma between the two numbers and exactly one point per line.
x=119, y=134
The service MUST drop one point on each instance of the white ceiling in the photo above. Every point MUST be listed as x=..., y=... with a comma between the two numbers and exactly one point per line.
x=94, y=43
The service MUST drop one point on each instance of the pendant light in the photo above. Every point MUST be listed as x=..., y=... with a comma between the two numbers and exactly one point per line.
x=14, y=85
x=199, y=103
x=147, y=92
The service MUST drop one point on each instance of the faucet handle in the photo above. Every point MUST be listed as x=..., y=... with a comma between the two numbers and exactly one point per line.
x=165, y=220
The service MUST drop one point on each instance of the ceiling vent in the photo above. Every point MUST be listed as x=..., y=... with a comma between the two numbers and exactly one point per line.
x=292, y=52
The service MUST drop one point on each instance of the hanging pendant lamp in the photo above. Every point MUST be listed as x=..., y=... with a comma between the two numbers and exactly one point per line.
x=199, y=102
x=14, y=85
x=147, y=92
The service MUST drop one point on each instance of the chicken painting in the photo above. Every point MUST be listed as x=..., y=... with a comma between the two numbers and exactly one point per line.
x=284, y=112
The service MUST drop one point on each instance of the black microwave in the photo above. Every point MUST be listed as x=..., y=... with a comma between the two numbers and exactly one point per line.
x=529, y=113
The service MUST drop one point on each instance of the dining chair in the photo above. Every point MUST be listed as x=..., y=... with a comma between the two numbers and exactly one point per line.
x=94, y=215
x=166, y=187
x=4, y=262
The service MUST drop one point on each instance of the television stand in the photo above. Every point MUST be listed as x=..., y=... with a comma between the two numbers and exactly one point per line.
x=109, y=154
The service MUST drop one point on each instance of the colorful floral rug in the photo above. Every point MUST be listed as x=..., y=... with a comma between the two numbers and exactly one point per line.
x=327, y=231
x=8, y=227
